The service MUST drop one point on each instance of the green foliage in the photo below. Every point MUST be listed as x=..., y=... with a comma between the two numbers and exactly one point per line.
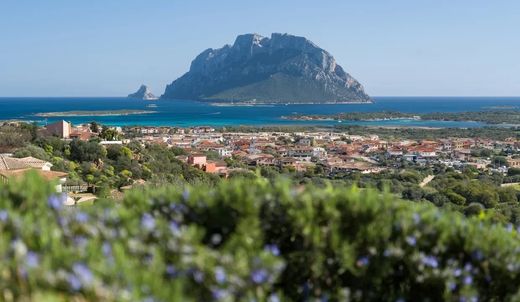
x=34, y=151
x=86, y=151
x=109, y=134
x=249, y=240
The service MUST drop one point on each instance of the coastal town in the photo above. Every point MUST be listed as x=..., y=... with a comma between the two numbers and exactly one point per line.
x=332, y=153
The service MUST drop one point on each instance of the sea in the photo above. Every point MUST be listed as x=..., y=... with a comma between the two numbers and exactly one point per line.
x=186, y=113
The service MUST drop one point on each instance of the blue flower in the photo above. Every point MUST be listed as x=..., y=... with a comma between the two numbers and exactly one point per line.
x=457, y=272
x=147, y=222
x=273, y=298
x=259, y=276
x=273, y=249
x=81, y=217
x=83, y=273
x=416, y=218
x=198, y=276
x=55, y=202
x=32, y=259
x=186, y=194
x=411, y=240
x=174, y=228
x=478, y=255
x=363, y=261
x=74, y=282
x=430, y=261
x=3, y=215
x=171, y=271
x=220, y=275
x=468, y=280
x=218, y=294
x=452, y=286
x=106, y=249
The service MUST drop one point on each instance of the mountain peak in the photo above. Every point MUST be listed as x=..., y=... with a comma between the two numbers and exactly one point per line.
x=143, y=93
x=282, y=68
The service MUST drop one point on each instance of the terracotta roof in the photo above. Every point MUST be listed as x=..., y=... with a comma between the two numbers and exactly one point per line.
x=47, y=175
x=33, y=162
x=10, y=163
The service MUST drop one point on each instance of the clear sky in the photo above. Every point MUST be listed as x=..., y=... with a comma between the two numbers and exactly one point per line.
x=393, y=47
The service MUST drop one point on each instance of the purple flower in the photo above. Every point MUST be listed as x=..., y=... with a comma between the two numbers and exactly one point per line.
x=55, y=202
x=468, y=280
x=198, y=276
x=220, y=275
x=186, y=194
x=174, y=228
x=3, y=215
x=363, y=261
x=32, y=259
x=457, y=272
x=416, y=218
x=259, y=276
x=81, y=217
x=106, y=249
x=411, y=240
x=452, y=286
x=171, y=271
x=147, y=222
x=218, y=294
x=74, y=282
x=273, y=249
x=478, y=255
x=273, y=298
x=83, y=273
x=430, y=261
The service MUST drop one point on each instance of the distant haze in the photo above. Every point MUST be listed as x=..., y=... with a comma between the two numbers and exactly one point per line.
x=401, y=47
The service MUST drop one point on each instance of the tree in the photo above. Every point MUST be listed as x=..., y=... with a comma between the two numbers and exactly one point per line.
x=500, y=161
x=109, y=134
x=86, y=151
x=94, y=127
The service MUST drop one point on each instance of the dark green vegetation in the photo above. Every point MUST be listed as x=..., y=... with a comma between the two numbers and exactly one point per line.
x=249, y=240
x=498, y=133
x=489, y=116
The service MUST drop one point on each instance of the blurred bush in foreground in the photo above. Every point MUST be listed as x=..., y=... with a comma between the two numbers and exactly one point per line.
x=249, y=241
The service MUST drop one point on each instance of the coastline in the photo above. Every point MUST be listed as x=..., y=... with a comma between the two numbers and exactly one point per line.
x=272, y=104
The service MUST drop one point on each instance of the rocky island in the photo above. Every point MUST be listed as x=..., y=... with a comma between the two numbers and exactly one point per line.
x=260, y=70
x=143, y=93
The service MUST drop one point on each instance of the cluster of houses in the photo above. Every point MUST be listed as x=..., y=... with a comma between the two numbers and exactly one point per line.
x=298, y=151
x=335, y=152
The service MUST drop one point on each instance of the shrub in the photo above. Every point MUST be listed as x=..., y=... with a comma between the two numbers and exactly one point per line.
x=249, y=240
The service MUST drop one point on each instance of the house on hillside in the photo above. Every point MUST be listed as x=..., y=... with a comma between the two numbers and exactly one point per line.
x=61, y=129
x=14, y=168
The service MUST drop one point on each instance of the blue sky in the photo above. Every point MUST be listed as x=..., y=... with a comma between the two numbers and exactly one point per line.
x=398, y=47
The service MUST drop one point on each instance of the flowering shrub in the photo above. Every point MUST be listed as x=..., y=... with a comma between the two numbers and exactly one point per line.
x=251, y=241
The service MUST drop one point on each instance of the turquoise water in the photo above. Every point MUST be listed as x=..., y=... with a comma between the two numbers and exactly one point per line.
x=191, y=113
